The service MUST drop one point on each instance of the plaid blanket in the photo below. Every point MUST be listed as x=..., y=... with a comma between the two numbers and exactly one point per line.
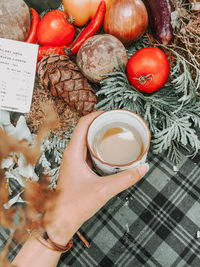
x=154, y=223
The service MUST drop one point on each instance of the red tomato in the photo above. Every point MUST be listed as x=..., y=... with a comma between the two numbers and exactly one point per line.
x=148, y=69
x=54, y=29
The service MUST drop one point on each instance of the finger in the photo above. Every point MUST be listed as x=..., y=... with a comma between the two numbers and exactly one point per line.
x=78, y=141
x=114, y=184
x=89, y=160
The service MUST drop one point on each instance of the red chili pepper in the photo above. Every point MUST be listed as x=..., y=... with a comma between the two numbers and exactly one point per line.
x=47, y=50
x=32, y=37
x=89, y=31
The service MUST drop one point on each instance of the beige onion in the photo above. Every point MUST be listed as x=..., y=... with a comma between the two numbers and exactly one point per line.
x=126, y=19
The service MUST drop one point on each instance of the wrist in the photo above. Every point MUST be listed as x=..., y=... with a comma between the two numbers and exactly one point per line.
x=48, y=243
x=60, y=226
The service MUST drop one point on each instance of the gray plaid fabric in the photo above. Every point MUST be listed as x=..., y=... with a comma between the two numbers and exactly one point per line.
x=154, y=223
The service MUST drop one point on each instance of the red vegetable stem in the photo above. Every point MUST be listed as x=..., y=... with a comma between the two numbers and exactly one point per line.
x=32, y=37
x=90, y=30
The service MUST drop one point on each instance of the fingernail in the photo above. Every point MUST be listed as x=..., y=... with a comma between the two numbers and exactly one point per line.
x=143, y=169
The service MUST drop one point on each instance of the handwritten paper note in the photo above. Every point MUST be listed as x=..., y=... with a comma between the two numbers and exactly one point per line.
x=17, y=74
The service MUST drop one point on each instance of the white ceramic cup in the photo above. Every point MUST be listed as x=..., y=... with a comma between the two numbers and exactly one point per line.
x=115, y=117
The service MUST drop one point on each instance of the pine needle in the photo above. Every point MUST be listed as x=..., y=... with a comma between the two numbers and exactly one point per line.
x=171, y=112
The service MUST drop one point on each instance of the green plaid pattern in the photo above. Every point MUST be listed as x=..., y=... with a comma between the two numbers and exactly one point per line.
x=154, y=223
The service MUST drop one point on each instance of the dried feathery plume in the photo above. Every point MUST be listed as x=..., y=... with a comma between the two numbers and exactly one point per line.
x=10, y=144
x=38, y=195
x=40, y=199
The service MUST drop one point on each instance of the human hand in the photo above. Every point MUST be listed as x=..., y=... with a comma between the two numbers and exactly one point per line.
x=81, y=191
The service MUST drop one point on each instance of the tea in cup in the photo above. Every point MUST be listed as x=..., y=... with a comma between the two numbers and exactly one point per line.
x=117, y=140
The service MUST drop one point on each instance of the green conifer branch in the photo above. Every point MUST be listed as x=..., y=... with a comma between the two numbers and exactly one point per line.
x=172, y=113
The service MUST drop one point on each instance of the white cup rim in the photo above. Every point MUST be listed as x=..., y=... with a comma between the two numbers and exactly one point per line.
x=125, y=164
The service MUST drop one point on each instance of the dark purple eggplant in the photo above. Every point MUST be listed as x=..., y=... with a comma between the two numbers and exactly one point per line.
x=159, y=12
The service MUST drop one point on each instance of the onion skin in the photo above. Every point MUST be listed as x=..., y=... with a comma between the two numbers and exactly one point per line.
x=126, y=19
x=81, y=10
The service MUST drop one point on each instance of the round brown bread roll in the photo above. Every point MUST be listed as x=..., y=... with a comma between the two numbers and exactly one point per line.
x=14, y=20
x=98, y=55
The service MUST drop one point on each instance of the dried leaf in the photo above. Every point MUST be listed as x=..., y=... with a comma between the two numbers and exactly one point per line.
x=22, y=131
x=4, y=117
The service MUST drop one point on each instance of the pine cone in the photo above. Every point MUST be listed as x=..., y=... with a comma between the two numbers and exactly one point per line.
x=63, y=78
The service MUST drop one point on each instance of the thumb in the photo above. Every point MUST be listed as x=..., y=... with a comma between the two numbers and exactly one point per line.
x=114, y=184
